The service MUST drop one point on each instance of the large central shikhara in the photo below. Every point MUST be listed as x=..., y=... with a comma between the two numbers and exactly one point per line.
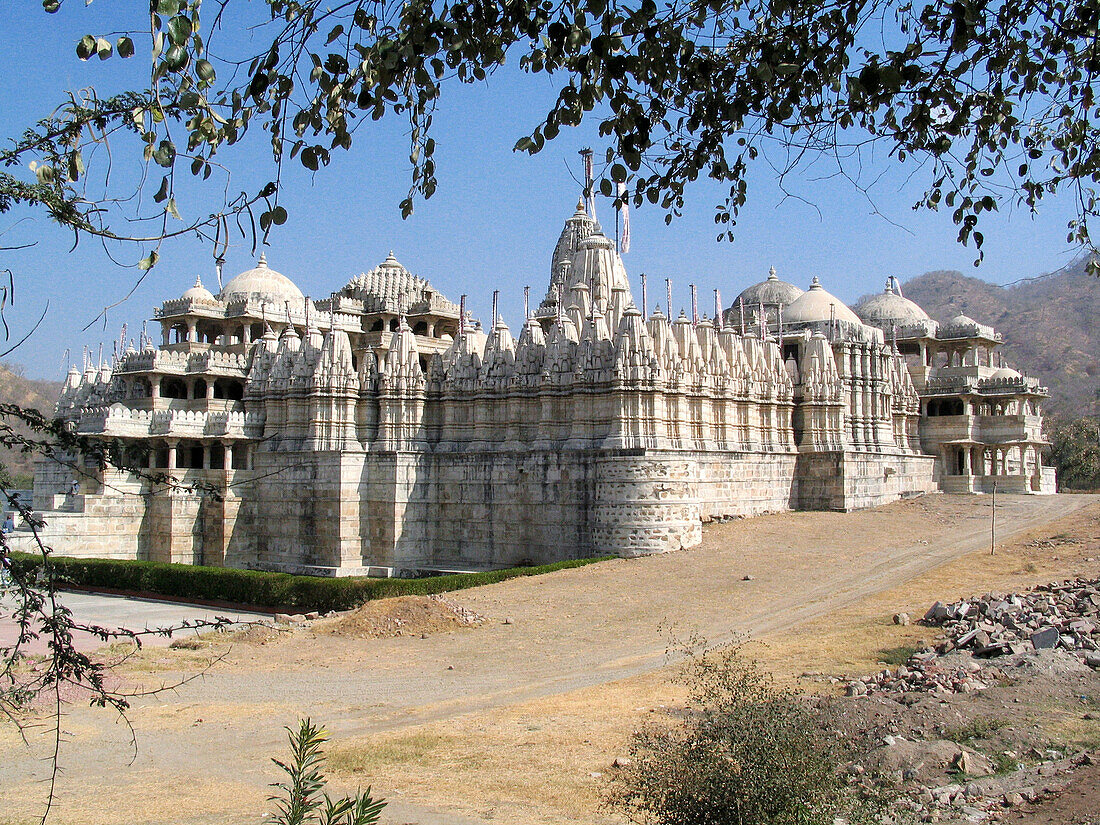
x=381, y=431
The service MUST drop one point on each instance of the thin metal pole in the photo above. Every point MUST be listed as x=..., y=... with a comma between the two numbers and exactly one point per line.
x=645, y=298
x=993, y=523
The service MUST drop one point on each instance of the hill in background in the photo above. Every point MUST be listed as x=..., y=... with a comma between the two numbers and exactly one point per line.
x=16, y=388
x=1049, y=326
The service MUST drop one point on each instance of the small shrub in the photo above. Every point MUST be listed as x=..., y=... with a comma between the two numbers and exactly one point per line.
x=302, y=799
x=1005, y=763
x=896, y=655
x=257, y=588
x=746, y=752
x=980, y=728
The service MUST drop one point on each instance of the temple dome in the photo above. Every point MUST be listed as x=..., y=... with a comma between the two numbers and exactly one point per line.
x=769, y=292
x=1005, y=374
x=888, y=308
x=198, y=292
x=961, y=326
x=261, y=283
x=817, y=304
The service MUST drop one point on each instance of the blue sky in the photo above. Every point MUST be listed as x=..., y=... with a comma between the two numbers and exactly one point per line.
x=491, y=225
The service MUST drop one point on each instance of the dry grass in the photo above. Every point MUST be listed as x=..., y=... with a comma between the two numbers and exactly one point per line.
x=533, y=762
x=853, y=640
x=542, y=762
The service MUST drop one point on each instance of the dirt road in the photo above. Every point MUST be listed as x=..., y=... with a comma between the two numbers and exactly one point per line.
x=203, y=749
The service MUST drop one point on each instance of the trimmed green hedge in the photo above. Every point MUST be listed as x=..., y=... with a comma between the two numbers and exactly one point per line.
x=256, y=588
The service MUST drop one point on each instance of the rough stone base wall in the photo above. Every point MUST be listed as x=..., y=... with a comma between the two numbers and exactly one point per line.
x=493, y=509
x=109, y=527
x=341, y=513
x=852, y=480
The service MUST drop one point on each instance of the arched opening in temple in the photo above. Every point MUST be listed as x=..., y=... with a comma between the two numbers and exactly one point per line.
x=173, y=388
x=228, y=388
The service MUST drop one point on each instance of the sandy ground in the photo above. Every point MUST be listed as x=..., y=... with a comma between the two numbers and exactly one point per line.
x=518, y=719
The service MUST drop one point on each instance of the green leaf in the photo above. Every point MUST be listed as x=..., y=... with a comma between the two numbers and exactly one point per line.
x=162, y=193
x=278, y=216
x=149, y=261
x=176, y=58
x=125, y=47
x=171, y=209
x=165, y=153
x=205, y=70
x=103, y=48
x=179, y=30
x=168, y=7
x=86, y=47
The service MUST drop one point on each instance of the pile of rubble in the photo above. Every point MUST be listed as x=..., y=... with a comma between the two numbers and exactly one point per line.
x=924, y=675
x=1065, y=615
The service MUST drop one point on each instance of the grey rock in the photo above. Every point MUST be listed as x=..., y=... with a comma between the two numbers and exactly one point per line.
x=1046, y=638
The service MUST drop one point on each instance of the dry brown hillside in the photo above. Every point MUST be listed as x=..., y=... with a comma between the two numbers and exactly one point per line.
x=15, y=388
x=1049, y=325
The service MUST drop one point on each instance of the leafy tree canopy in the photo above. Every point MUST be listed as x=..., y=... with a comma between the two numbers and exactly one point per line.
x=1075, y=450
x=993, y=102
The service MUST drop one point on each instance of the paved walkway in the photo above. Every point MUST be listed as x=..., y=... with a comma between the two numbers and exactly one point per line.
x=115, y=612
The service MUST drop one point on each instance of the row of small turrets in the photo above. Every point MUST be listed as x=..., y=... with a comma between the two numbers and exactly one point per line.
x=587, y=339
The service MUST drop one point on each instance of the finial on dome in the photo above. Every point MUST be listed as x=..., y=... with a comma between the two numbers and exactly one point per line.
x=580, y=205
x=263, y=260
x=198, y=281
x=889, y=286
x=771, y=274
x=815, y=283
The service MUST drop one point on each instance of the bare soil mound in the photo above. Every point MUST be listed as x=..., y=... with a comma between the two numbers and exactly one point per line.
x=399, y=616
x=256, y=634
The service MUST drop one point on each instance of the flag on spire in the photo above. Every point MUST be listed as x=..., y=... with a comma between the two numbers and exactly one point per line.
x=624, y=209
x=589, y=177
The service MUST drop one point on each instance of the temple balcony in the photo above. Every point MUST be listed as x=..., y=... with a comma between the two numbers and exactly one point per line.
x=987, y=429
x=121, y=421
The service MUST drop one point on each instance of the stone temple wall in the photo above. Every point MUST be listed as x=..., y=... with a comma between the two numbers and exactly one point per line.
x=596, y=431
x=418, y=510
